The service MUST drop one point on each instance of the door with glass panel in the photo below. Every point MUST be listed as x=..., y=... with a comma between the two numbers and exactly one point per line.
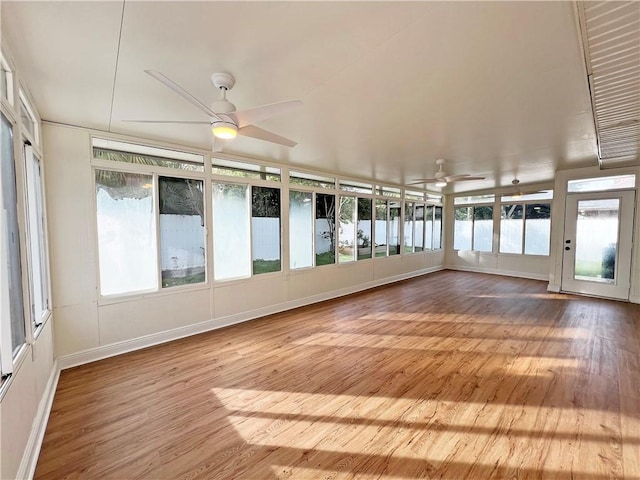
x=597, y=244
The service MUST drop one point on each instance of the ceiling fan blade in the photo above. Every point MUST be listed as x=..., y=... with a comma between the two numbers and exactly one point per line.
x=262, y=134
x=183, y=93
x=258, y=114
x=417, y=181
x=194, y=122
x=462, y=179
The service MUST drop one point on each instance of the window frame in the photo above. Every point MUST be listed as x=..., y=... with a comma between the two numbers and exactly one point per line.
x=41, y=264
x=473, y=207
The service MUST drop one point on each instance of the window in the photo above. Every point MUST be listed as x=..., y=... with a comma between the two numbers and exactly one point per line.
x=537, y=229
x=428, y=227
x=347, y=233
x=127, y=250
x=355, y=229
x=231, y=231
x=511, y=228
x=380, y=235
x=38, y=271
x=408, y=227
x=389, y=192
x=244, y=170
x=265, y=230
x=182, y=240
x=463, y=228
x=437, y=228
x=364, y=228
x=300, y=229
x=325, y=229
x=615, y=182
x=311, y=180
x=6, y=81
x=474, y=199
x=356, y=187
x=28, y=119
x=393, y=239
x=12, y=326
x=483, y=229
x=419, y=228
x=473, y=228
x=144, y=155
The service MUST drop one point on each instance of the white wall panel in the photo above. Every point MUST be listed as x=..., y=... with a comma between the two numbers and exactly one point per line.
x=258, y=292
x=70, y=215
x=43, y=357
x=144, y=316
x=19, y=408
x=75, y=328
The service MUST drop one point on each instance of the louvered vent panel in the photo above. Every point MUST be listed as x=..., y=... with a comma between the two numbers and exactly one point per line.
x=611, y=34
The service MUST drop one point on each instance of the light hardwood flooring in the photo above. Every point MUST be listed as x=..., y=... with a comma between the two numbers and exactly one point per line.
x=449, y=376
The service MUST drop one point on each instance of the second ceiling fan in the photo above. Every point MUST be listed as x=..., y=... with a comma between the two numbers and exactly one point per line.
x=225, y=121
x=442, y=179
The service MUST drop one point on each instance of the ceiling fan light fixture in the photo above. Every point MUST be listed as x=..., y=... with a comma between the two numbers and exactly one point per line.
x=224, y=130
x=441, y=183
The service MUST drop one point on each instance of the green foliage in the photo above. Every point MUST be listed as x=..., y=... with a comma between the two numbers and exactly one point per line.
x=326, y=258
x=266, y=266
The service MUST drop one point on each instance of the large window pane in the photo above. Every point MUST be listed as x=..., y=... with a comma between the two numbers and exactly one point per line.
x=126, y=232
x=408, y=227
x=39, y=276
x=595, y=254
x=428, y=227
x=394, y=228
x=364, y=228
x=483, y=229
x=300, y=229
x=537, y=229
x=265, y=229
x=437, y=228
x=325, y=229
x=347, y=233
x=231, y=244
x=462, y=228
x=10, y=242
x=381, y=228
x=419, y=228
x=511, y=228
x=182, y=249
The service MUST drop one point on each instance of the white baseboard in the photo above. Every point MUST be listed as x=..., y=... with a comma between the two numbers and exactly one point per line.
x=634, y=299
x=552, y=287
x=495, y=271
x=29, y=461
x=106, y=351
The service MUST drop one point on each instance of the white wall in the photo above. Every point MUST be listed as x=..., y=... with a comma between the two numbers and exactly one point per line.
x=89, y=327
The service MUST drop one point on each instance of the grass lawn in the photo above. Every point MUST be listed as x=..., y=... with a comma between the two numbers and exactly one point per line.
x=266, y=266
x=187, y=280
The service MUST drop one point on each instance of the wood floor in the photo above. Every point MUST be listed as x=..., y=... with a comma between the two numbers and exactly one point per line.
x=449, y=376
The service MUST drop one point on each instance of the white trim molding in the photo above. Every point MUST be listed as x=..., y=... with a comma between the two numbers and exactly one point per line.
x=495, y=271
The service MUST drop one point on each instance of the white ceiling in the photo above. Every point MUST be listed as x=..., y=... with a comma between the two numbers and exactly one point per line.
x=497, y=88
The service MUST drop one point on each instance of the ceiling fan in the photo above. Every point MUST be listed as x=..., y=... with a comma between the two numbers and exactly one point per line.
x=517, y=193
x=441, y=179
x=225, y=121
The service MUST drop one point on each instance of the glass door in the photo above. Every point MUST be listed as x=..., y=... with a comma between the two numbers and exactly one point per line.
x=597, y=244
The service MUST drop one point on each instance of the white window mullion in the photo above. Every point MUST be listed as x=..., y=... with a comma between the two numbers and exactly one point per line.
x=6, y=350
x=34, y=235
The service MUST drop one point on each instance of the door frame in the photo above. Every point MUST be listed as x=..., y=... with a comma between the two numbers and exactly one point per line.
x=621, y=288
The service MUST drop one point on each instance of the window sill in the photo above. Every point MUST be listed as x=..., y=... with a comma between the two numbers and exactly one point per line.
x=134, y=297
